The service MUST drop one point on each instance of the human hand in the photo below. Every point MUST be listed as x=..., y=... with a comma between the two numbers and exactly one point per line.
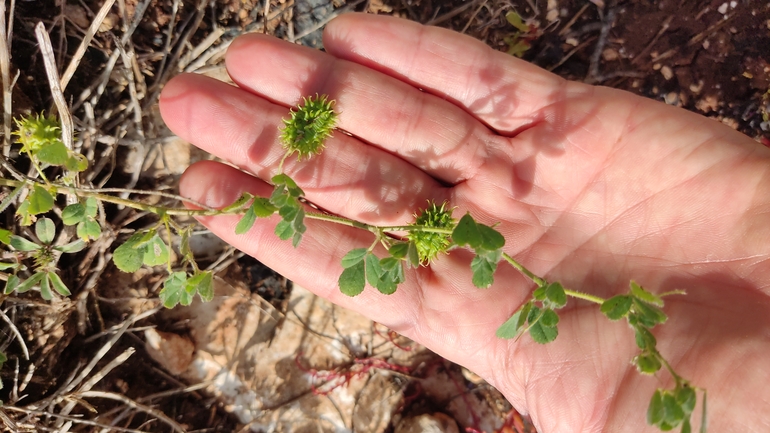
x=591, y=186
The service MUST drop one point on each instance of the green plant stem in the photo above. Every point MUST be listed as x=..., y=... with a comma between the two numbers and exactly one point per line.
x=526, y=272
x=584, y=296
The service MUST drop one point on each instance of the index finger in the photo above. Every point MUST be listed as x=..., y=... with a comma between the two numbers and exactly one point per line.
x=500, y=90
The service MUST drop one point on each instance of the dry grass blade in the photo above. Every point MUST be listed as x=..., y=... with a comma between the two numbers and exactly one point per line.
x=73, y=65
x=138, y=406
x=46, y=50
x=72, y=419
x=5, y=75
x=16, y=334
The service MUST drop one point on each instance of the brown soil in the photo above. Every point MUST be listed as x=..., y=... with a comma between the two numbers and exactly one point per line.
x=711, y=57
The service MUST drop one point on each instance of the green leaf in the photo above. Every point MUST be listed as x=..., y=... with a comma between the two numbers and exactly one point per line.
x=91, y=207
x=539, y=293
x=674, y=413
x=21, y=244
x=555, y=293
x=58, y=284
x=353, y=257
x=515, y=20
x=413, y=256
x=284, y=230
x=45, y=287
x=25, y=218
x=647, y=363
x=644, y=338
x=491, y=239
x=128, y=257
x=5, y=266
x=617, y=307
x=76, y=162
x=40, y=201
x=686, y=427
x=55, y=153
x=537, y=329
x=155, y=252
x=246, y=222
x=284, y=179
x=513, y=327
x=392, y=275
x=89, y=229
x=288, y=213
x=467, y=232
x=45, y=230
x=648, y=314
x=645, y=296
x=373, y=270
x=656, y=411
x=202, y=283
x=5, y=236
x=353, y=279
x=262, y=207
x=72, y=247
x=11, y=284
x=73, y=214
x=549, y=318
x=239, y=203
x=685, y=396
x=399, y=250
x=483, y=267
x=173, y=291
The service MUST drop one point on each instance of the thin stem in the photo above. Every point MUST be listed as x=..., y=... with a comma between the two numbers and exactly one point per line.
x=584, y=296
x=526, y=272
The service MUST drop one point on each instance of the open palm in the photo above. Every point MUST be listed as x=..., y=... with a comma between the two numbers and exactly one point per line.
x=591, y=186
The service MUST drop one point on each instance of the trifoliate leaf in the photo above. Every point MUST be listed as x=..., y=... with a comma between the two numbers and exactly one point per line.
x=45, y=230
x=21, y=244
x=647, y=363
x=353, y=279
x=467, y=232
x=645, y=296
x=353, y=257
x=89, y=229
x=202, y=283
x=617, y=307
x=54, y=153
x=40, y=200
x=543, y=334
x=72, y=247
x=58, y=284
x=155, y=252
x=555, y=294
x=392, y=275
x=73, y=214
x=246, y=222
x=173, y=291
x=11, y=284
x=513, y=327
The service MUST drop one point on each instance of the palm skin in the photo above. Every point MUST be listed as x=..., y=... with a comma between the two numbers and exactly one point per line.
x=591, y=186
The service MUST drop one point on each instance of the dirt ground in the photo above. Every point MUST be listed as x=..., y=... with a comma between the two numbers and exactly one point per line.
x=109, y=359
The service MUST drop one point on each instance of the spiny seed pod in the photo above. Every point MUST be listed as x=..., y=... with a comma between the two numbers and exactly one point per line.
x=429, y=244
x=309, y=126
x=36, y=132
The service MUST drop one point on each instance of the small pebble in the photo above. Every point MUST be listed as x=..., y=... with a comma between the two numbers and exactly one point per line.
x=667, y=73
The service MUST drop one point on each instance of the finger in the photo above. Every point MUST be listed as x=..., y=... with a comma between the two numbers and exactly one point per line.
x=430, y=133
x=419, y=307
x=502, y=91
x=349, y=178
